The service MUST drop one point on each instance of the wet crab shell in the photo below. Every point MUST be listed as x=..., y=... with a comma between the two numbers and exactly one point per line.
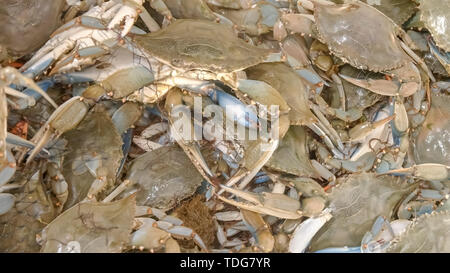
x=26, y=25
x=398, y=10
x=200, y=44
x=93, y=139
x=357, y=201
x=163, y=177
x=428, y=234
x=435, y=14
x=360, y=35
x=432, y=142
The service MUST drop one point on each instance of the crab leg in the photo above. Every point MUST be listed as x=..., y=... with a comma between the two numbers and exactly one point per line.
x=243, y=115
x=311, y=77
x=78, y=58
x=18, y=141
x=340, y=88
x=407, y=83
x=88, y=36
x=7, y=160
x=401, y=122
x=327, y=127
x=382, y=133
x=319, y=131
x=427, y=171
x=360, y=131
x=30, y=101
x=174, y=107
x=263, y=160
x=64, y=118
x=256, y=160
x=187, y=233
x=3, y=124
x=192, y=149
x=175, y=230
x=149, y=237
x=79, y=33
x=278, y=205
x=125, y=184
x=350, y=115
x=345, y=249
x=306, y=230
x=11, y=75
x=161, y=8
x=382, y=87
x=363, y=163
x=126, y=14
x=259, y=229
x=417, y=59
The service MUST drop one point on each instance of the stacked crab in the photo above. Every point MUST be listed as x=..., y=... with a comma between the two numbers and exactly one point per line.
x=227, y=126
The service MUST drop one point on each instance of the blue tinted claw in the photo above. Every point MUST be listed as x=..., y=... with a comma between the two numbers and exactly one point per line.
x=242, y=114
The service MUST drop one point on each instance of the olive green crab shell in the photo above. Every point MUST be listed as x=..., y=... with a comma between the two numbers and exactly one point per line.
x=344, y=28
x=203, y=45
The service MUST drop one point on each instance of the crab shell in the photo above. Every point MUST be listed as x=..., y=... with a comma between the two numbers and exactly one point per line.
x=435, y=14
x=360, y=35
x=26, y=25
x=429, y=233
x=201, y=45
x=398, y=10
x=163, y=177
x=357, y=201
x=432, y=143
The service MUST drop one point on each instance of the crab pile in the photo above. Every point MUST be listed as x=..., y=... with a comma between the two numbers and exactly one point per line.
x=118, y=126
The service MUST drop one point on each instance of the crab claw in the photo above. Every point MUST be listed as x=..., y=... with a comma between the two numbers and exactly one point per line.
x=77, y=58
x=427, y=171
x=193, y=150
x=81, y=32
x=360, y=131
x=185, y=232
x=275, y=204
x=236, y=110
x=13, y=76
x=170, y=224
x=185, y=136
x=83, y=35
x=63, y=119
x=18, y=141
x=382, y=87
x=126, y=14
x=313, y=79
x=385, y=87
x=304, y=232
x=45, y=57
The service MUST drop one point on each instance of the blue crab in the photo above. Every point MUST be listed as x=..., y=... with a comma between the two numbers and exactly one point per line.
x=162, y=177
x=370, y=52
x=354, y=201
x=428, y=233
x=433, y=15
